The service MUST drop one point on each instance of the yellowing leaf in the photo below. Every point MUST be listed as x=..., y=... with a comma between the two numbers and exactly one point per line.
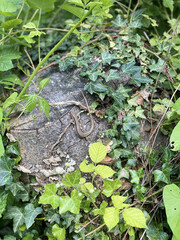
x=104, y=171
x=111, y=217
x=134, y=217
x=97, y=152
x=84, y=167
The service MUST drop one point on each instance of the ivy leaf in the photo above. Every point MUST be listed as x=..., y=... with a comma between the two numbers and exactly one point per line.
x=171, y=197
x=58, y=233
x=72, y=203
x=136, y=175
x=119, y=22
x=72, y=179
x=139, y=113
x=118, y=202
x=95, y=87
x=107, y=57
x=112, y=75
x=97, y=152
x=13, y=149
x=84, y=167
x=156, y=67
x=94, y=75
x=43, y=103
x=49, y=197
x=111, y=217
x=130, y=123
x=15, y=187
x=100, y=211
x=110, y=186
x=138, y=78
x=45, y=5
x=129, y=68
x=1, y=147
x=104, y=171
x=163, y=175
x=30, y=213
x=3, y=203
x=134, y=217
x=16, y=214
x=6, y=165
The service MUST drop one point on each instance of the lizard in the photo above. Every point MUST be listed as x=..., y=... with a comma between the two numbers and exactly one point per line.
x=79, y=131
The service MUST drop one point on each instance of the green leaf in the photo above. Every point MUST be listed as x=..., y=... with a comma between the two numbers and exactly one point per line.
x=97, y=152
x=107, y=57
x=13, y=149
x=118, y=202
x=175, y=139
x=7, y=53
x=163, y=175
x=119, y=22
x=1, y=146
x=16, y=214
x=134, y=217
x=3, y=203
x=45, y=5
x=43, y=103
x=12, y=79
x=110, y=186
x=49, y=197
x=138, y=78
x=100, y=211
x=1, y=117
x=10, y=100
x=30, y=25
x=31, y=102
x=171, y=198
x=6, y=165
x=43, y=82
x=129, y=68
x=156, y=233
x=72, y=203
x=84, y=167
x=157, y=67
x=104, y=171
x=95, y=87
x=7, y=6
x=136, y=175
x=72, y=179
x=169, y=4
x=111, y=217
x=77, y=11
x=30, y=213
x=112, y=75
x=11, y=23
x=58, y=233
x=15, y=187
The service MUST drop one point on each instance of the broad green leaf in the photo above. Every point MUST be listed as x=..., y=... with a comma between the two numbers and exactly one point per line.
x=72, y=179
x=1, y=146
x=104, y=171
x=1, y=117
x=31, y=102
x=30, y=213
x=163, y=175
x=77, y=2
x=171, y=198
x=176, y=106
x=72, y=203
x=7, y=6
x=129, y=68
x=175, y=139
x=138, y=78
x=97, y=152
x=12, y=79
x=17, y=215
x=77, y=11
x=49, y=196
x=136, y=175
x=43, y=103
x=110, y=186
x=10, y=100
x=169, y=4
x=111, y=217
x=13, y=149
x=6, y=165
x=43, y=82
x=58, y=233
x=118, y=202
x=7, y=53
x=84, y=167
x=45, y=5
x=3, y=203
x=15, y=187
x=134, y=217
x=100, y=211
x=11, y=23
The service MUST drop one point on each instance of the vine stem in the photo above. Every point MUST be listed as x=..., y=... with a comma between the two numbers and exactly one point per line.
x=95, y=230
x=45, y=59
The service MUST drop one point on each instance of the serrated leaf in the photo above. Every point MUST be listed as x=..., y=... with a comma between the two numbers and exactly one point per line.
x=6, y=165
x=3, y=203
x=12, y=79
x=43, y=103
x=10, y=100
x=11, y=23
x=171, y=198
x=163, y=175
x=72, y=179
x=110, y=186
x=7, y=53
x=1, y=146
x=134, y=217
x=49, y=196
x=118, y=202
x=97, y=152
x=111, y=217
x=16, y=214
x=30, y=213
x=84, y=167
x=31, y=102
x=175, y=139
x=72, y=203
x=43, y=82
x=45, y=5
x=58, y=233
x=77, y=11
x=104, y=171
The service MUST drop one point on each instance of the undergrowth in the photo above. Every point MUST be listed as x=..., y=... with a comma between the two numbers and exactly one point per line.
x=129, y=57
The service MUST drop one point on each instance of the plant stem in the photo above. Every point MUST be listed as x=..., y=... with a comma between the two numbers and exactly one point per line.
x=95, y=230
x=45, y=59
